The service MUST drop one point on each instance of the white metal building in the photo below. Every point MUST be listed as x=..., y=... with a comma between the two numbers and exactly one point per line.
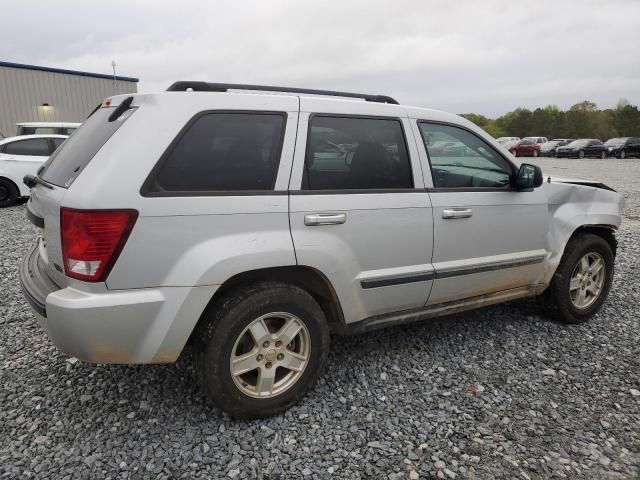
x=30, y=93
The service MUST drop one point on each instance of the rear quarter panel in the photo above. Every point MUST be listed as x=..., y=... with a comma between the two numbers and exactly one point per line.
x=192, y=240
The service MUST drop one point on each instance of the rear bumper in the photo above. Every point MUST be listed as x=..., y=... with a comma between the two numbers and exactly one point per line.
x=116, y=326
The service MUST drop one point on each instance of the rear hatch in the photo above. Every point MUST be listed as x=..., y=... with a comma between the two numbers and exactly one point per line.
x=60, y=171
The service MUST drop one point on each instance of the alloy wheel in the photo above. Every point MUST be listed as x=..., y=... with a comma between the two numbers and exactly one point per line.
x=270, y=355
x=587, y=280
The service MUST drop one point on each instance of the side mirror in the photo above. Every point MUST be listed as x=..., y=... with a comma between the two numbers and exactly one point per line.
x=528, y=176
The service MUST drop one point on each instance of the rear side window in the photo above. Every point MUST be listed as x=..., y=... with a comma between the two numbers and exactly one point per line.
x=35, y=147
x=350, y=153
x=221, y=151
x=57, y=142
x=68, y=161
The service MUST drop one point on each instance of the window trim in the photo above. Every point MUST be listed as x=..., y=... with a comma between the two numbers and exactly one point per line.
x=145, y=189
x=351, y=191
x=434, y=189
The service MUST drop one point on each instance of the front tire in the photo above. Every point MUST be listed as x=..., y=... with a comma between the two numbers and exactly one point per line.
x=582, y=281
x=581, y=154
x=9, y=193
x=535, y=153
x=622, y=154
x=603, y=155
x=262, y=348
x=514, y=153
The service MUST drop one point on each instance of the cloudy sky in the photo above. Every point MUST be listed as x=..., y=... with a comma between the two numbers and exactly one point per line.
x=487, y=56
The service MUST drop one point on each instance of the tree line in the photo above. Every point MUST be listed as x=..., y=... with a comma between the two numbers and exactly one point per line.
x=582, y=120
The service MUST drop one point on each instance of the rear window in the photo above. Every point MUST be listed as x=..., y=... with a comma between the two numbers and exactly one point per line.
x=221, y=152
x=68, y=161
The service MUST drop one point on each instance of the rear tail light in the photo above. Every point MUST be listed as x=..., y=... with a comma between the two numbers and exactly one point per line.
x=92, y=240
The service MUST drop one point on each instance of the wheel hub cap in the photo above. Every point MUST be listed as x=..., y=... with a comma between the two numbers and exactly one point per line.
x=587, y=280
x=270, y=355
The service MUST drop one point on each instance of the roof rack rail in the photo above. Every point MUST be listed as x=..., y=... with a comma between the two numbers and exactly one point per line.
x=223, y=87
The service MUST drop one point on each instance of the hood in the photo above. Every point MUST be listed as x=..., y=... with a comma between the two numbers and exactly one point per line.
x=576, y=181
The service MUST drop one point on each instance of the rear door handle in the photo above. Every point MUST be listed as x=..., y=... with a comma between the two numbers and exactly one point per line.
x=314, y=219
x=451, y=213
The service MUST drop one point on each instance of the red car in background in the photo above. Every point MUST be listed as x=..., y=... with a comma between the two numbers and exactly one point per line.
x=528, y=147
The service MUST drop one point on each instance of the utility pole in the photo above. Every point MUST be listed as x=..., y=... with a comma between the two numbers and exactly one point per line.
x=115, y=82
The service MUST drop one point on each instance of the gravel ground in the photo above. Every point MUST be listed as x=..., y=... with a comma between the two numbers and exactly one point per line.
x=495, y=393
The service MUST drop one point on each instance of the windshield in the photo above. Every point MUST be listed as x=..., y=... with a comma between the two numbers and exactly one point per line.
x=615, y=141
x=578, y=143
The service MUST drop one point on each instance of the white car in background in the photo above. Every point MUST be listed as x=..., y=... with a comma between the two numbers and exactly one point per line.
x=20, y=156
x=508, y=142
x=47, y=128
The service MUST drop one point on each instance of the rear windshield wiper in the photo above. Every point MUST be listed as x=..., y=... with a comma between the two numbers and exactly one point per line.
x=31, y=181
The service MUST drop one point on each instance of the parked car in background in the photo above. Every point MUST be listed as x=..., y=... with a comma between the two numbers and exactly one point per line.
x=508, y=142
x=20, y=156
x=46, y=128
x=548, y=149
x=219, y=219
x=581, y=148
x=538, y=140
x=623, y=147
x=528, y=147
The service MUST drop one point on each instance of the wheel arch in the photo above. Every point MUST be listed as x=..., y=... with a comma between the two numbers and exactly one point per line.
x=607, y=232
x=10, y=179
x=311, y=280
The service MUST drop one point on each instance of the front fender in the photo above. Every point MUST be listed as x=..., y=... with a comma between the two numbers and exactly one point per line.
x=572, y=207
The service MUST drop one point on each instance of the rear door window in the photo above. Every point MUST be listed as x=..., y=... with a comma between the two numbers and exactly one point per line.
x=38, y=147
x=67, y=162
x=351, y=153
x=221, y=151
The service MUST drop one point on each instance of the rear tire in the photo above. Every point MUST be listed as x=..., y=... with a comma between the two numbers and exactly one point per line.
x=603, y=155
x=9, y=193
x=581, y=154
x=245, y=333
x=562, y=298
x=514, y=153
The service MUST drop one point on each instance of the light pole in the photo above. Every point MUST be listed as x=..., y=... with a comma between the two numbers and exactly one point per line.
x=115, y=82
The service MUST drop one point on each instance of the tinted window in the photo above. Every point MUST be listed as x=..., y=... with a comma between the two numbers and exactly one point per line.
x=57, y=142
x=66, y=163
x=34, y=147
x=223, y=151
x=459, y=159
x=355, y=154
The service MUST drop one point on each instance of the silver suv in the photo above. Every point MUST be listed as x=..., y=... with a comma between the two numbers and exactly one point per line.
x=253, y=225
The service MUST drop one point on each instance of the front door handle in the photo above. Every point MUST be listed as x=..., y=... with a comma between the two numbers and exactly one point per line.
x=314, y=219
x=451, y=213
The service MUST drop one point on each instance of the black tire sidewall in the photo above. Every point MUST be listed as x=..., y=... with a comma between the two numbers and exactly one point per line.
x=14, y=193
x=575, y=251
x=214, y=363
